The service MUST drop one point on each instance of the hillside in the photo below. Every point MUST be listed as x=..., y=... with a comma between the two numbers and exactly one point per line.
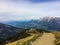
x=26, y=37
x=37, y=38
x=7, y=31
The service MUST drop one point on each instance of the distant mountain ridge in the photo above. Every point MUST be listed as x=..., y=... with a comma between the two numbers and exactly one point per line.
x=48, y=23
x=52, y=23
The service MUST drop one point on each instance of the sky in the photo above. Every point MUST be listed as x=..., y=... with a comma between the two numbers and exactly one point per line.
x=28, y=9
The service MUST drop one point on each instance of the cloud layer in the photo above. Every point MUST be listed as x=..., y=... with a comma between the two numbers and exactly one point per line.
x=26, y=10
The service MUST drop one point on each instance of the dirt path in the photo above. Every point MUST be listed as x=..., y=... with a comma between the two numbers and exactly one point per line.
x=46, y=39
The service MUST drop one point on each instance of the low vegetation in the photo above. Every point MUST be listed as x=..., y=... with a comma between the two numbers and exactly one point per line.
x=33, y=35
x=30, y=36
x=57, y=35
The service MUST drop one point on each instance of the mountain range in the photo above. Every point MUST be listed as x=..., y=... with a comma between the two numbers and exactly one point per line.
x=47, y=23
x=10, y=29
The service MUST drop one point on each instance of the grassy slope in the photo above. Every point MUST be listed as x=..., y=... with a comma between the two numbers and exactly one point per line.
x=34, y=35
x=26, y=41
x=20, y=41
x=57, y=35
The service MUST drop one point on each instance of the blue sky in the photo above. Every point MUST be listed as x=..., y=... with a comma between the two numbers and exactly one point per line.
x=28, y=9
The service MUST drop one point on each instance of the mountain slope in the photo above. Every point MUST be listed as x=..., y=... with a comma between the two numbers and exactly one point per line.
x=7, y=31
x=53, y=23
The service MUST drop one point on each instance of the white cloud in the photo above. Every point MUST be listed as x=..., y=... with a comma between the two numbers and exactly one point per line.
x=25, y=10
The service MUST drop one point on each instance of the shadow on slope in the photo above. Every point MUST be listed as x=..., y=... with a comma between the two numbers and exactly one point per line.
x=15, y=38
